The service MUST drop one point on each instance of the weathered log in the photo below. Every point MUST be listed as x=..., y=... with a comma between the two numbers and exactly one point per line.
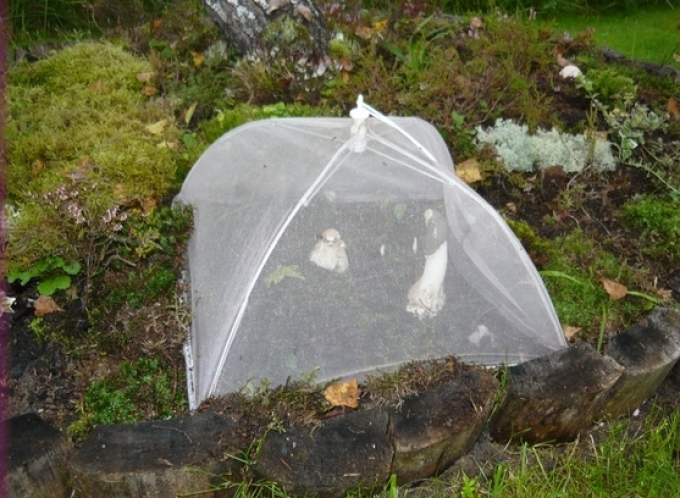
x=38, y=455
x=556, y=397
x=157, y=459
x=345, y=453
x=244, y=22
x=432, y=430
x=648, y=350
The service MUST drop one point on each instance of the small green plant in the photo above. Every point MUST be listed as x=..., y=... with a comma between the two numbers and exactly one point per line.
x=53, y=272
x=144, y=389
x=416, y=57
x=658, y=219
x=37, y=326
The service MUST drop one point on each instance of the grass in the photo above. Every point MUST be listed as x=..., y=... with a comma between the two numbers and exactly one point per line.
x=648, y=35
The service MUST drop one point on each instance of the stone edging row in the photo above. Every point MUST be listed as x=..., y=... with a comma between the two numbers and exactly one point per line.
x=550, y=399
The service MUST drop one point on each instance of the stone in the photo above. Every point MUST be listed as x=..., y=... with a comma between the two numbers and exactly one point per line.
x=556, y=397
x=345, y=453
x=37, y=457
x=160, y=459
x=648, y=351
x=430, y=431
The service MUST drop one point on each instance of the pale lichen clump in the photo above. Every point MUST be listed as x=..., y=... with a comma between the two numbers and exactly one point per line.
x=520, y=151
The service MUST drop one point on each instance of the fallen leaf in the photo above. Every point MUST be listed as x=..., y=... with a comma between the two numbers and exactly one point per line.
x=570, y=332
x=305, y=12
x=380, y=26
x=119, y=192
x=156, y=23
x=149, y=90
x=190, y=113
x=45, y=305
x=148, y=205
x=198, y=58
x=37, y=167
x=343, y=394
x=99, y=87
x=363, y=32
x=673, y=108
x=562, y=62
x=346, y=64
x=614, y=289
x=468, y=171
x=145, y=77
x=157, y=127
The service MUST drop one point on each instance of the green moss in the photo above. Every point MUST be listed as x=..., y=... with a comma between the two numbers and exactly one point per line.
x=658, y=219
x=83, y=139
x=138, y=390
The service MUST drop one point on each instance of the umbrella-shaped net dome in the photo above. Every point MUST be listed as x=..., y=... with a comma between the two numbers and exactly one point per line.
x=342, y=247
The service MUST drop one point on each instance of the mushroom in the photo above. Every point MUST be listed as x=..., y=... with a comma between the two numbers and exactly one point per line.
x=426, y=297
x=329, y=252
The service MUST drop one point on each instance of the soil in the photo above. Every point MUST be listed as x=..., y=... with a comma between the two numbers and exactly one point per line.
x=50, y=378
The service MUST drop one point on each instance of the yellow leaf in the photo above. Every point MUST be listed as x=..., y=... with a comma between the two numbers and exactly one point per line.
x=468, y=171
x=570, y=332
x=149, y=91
x=157, y=127
x=190, y=112
x=380, y=26
x=145, y=77
x=45, y=305
x=198, y=58
x=343, y=394
x=614, y=289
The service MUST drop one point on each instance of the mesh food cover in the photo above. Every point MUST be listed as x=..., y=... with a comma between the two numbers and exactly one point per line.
x=343, y=246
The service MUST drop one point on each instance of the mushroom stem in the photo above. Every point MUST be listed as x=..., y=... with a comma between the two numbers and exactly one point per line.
x=426, y=297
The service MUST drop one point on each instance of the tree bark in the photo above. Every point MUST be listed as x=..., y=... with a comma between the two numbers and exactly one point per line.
x=244, y=22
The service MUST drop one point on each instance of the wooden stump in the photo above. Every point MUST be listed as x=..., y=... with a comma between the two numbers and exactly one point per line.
x=556, y=397
x=156, y=459
x=345, y=453
x=648, y=350
x=432, y=430
x=38, y=455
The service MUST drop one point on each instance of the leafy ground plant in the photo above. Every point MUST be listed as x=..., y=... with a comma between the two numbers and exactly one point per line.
x=140, y=390
x=89, y=154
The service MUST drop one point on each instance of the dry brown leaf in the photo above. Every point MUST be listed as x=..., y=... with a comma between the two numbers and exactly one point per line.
x=614, y=289
x=45, y=305
x=149, y=91
x=145, y=77
x=198, y=58
x=561, y=61
x=363, y=32
x=343, y=394
x=37, y=167
x=305, y=12
x=673, y=108
x=98, y=86
x=570, y=332
x=190, y=113
x=468, y=171
x=157, y=127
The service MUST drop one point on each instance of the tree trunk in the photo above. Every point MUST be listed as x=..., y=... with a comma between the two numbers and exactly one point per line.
x=244, y=22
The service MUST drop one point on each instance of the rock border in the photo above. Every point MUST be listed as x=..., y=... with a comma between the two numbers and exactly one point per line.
x=550, y=399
